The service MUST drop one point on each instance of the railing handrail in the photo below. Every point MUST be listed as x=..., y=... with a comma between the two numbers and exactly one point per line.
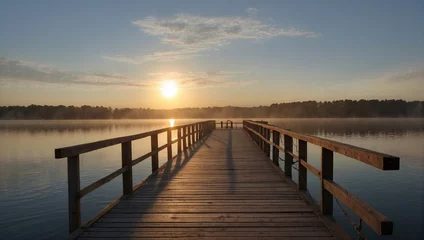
x=376, y=159
x=92, y=146
x=329, y=189
x=188, y=135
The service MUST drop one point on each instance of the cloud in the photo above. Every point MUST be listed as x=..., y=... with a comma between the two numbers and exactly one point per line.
x=165, y=56
x=192, y=34
x=186, y=30
x=199, y=79
x=252, y=11
x=14, y=70
x=411, y=75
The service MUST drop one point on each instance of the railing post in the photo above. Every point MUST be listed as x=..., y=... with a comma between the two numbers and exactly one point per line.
x=184, y=138
x=275, y=150
x=127, y=181
x=189, y=135
x=326, y=174
x=179, y=140
x=262, y=141
x=303, y=155
x=169, y=140
x=155, y=156
x=74, y=204
x=196, y=128
x=267, y=145
x=288, y=159
x=193, y=135
x=222, y=124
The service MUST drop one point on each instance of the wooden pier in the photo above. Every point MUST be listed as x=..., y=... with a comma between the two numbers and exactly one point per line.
x=222, y=184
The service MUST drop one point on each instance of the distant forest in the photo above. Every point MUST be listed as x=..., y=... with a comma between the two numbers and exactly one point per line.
x=306, y=109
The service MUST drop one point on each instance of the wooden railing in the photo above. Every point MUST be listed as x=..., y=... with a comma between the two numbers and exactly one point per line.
x=261, y=133
x=187, y=136
x=228, y=124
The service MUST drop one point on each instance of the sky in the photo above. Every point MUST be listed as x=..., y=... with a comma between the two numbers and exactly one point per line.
x=217, y=53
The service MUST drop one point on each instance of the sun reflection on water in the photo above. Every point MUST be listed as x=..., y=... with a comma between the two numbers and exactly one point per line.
x=171, y=122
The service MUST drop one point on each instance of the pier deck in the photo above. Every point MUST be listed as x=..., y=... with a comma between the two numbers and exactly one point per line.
x=224, y=187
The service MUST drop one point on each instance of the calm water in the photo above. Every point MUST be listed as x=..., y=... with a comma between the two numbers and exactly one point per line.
x=33, y=185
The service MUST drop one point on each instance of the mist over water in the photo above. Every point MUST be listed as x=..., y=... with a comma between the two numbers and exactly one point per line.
x=33, y=185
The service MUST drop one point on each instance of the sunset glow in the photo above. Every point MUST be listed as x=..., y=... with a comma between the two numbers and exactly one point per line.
x=169, y=89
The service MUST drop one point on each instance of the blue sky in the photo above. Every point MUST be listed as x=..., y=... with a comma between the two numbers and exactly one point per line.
x=245, y=53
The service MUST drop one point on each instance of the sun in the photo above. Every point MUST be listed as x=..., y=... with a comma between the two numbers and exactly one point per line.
x=169, y=89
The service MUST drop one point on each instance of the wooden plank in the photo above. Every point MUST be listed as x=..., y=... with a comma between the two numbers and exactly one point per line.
x=326, y=174
x=373, y=158
x=216, y=190
x=377, y=221
x=74, y=203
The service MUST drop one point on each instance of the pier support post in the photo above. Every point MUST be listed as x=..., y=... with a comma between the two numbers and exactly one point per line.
x=127, y=181
x=267, y=147
x=275, y=150
x=288, y=159
x=303, y=155
x=326, y=174
x=169, y=140
x=179, y=140
x=74, y=203
x=155, y=156
x=184, y=138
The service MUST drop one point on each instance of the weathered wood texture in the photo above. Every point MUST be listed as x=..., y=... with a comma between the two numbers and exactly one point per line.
x=377, y=221
x=226, y=189
x=375, y=159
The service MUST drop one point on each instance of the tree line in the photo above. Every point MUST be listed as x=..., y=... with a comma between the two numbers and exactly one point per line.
x=305, y=109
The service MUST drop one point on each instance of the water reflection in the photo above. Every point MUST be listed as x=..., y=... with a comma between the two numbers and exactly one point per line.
x=33, y=185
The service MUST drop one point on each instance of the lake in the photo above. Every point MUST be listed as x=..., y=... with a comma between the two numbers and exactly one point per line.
x=33, y=185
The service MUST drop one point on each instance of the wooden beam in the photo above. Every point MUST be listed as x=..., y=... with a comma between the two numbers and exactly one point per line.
x=275, y=150
x=179, y=140
x=74, y=203
x=326, y=174
x=375, y=159
x=88, y=147
x=303, y=156
x=377, y=221
x=155, y=157
x=101, y=182
x=288, y=158
x=127, y=181
x=193, y=135
x=189, y=136
x=311, y=168
x=169, y=147
x=184, y=138
x=267, y=147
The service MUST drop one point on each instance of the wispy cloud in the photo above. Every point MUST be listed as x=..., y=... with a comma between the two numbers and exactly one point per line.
x=12, y=71
x=165, y=56
x=200, y=79
x=192, y=34
x=252, y=11
x=410, y=75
